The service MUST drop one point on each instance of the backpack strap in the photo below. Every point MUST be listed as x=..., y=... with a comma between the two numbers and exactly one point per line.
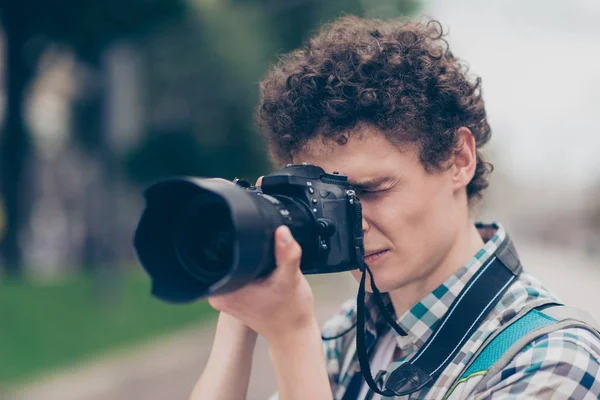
x=533, y=321
x=566, y=313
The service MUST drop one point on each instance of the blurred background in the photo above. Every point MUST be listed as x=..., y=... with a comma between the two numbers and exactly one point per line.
x=99, y=99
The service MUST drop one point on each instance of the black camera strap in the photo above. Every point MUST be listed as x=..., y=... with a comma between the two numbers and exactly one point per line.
x=482, y=293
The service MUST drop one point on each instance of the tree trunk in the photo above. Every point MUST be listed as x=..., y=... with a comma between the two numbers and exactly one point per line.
x=98, y=257
x=88, y=110
x=14, y=143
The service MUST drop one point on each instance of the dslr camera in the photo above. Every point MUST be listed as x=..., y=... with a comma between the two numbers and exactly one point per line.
x=201, y=237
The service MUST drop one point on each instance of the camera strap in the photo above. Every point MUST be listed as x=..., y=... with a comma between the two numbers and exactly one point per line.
x=481, y=294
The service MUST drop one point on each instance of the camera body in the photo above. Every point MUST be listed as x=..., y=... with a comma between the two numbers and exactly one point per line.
x=337, y=242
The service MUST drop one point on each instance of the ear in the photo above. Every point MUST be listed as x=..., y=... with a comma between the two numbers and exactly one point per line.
x=464, y=159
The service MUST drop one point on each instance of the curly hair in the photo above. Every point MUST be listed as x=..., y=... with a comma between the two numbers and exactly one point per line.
x=399, y=76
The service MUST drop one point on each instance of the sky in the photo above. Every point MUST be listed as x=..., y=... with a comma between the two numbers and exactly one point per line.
x=540, y=65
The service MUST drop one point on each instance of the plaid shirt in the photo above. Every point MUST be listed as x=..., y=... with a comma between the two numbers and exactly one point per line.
x=564, y=364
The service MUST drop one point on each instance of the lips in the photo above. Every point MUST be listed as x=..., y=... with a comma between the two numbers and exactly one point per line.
x=372, y=257
x=372, y=253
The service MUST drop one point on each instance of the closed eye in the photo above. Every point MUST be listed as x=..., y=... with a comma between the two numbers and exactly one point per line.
x=371, y=193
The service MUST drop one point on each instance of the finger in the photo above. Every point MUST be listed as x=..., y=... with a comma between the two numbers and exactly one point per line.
x=259, y=181
x=287, y=251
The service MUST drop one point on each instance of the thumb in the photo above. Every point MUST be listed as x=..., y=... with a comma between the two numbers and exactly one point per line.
x=287, y=251
x=259, y=181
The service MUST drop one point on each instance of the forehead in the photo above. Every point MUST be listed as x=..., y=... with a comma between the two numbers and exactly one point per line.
x=367, y=154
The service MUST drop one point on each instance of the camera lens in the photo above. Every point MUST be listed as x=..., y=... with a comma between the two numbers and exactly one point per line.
x=205, y=239
x=200, y=237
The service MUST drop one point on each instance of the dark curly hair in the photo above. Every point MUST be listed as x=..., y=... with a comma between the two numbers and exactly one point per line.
x=399, y=76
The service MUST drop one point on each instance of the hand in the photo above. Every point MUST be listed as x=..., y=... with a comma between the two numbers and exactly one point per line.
x=281, y=304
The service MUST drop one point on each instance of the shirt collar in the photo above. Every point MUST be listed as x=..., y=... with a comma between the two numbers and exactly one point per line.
x=421, y=320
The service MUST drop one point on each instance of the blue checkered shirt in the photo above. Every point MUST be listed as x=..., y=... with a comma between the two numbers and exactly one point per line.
x=564, y=364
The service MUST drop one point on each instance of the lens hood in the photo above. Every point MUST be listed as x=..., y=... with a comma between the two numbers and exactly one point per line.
x=155, y=240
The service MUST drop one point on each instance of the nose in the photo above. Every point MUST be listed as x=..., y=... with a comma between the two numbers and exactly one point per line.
x=365, y=224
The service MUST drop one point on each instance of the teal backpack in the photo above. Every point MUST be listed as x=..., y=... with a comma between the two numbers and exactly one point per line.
x=532, y=322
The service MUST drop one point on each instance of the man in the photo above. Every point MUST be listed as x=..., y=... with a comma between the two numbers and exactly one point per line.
x=388, y=105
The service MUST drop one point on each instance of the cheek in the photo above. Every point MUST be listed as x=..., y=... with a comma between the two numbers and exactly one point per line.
x=431, y=201
x=412, y=218
x=407, y=208
x=433, y=218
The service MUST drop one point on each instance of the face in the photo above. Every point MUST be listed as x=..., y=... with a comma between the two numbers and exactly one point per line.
x=410, y=216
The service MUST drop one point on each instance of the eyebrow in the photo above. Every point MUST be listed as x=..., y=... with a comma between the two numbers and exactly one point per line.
x=370, y=183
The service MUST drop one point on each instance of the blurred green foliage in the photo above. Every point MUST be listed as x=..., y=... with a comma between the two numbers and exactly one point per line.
x=87, y=28
x=56, y=325
x=202, y=82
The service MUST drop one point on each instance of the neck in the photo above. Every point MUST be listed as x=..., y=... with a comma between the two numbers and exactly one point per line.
x=468, y=242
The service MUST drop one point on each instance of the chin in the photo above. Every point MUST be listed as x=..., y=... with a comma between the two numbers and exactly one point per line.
x=385, y=278
x=383, y=285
